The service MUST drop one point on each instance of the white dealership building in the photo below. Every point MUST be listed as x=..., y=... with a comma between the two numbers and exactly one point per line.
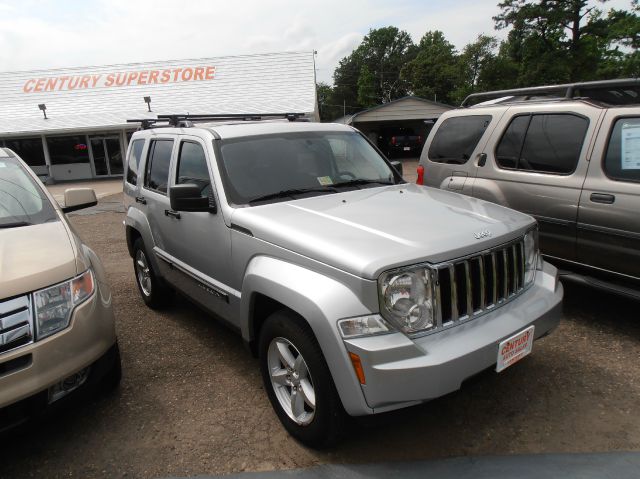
x=71, y=123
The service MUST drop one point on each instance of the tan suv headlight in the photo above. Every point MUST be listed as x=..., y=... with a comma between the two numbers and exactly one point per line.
x=55, y=304
x=406, y=299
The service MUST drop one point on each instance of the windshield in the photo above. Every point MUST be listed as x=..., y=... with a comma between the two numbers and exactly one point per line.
x=268, y=167
x=22, y=202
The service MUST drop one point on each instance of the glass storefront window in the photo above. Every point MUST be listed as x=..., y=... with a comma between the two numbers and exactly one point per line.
x=29, y=149
x=68, y=149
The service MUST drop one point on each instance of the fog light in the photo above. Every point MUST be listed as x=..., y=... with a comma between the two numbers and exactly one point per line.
x=68, y=385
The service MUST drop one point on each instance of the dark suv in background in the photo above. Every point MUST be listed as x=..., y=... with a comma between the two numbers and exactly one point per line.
x=398, y=141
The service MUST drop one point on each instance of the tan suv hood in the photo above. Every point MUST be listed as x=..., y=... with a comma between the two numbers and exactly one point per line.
x=33, y=257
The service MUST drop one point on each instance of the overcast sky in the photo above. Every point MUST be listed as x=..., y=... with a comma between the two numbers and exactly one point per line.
x=48, y=34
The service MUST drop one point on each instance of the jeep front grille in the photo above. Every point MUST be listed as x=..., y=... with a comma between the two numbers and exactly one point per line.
x=16, y=324
x=473, y=285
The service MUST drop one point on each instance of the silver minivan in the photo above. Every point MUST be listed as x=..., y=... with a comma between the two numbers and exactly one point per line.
x=572, y=161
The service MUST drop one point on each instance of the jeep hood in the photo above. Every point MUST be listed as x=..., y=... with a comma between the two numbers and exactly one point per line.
x=34, y=257
x=368, y=231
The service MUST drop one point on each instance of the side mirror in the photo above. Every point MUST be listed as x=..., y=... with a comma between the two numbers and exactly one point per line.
x=78, y=198
x=188, y=197
x=398, y=166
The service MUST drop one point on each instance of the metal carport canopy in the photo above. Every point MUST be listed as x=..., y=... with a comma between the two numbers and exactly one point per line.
x=402, y=109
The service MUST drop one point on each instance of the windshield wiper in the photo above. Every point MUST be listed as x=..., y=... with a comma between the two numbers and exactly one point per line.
x=291, y=192
x=15, y=224
x=360, y=181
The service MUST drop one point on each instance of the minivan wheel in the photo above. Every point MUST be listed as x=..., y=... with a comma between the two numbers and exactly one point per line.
x=154, y=290
x=298, y=380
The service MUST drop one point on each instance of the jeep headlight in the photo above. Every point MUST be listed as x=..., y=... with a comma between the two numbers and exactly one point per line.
x=55, y=304
x=531, y=255
x=406, y=299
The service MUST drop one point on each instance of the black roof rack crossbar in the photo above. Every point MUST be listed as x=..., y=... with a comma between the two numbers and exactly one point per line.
x=229, y=116
x=186, y=120
x=561, y=91
x=145, y=123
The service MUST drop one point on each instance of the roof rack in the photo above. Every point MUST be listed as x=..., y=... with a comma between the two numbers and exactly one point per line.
x=605, y=91
x=187, y=120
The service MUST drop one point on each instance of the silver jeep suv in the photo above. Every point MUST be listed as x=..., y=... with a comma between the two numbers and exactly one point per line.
x=358, y=292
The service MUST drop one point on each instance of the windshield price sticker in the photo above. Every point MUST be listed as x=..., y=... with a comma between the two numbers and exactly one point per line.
x=513, y=349
x=325, y=180
x=630, y=147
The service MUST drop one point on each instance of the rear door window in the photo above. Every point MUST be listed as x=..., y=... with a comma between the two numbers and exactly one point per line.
x=457, y=137
x=133, y=162
x=547, y=143
x=158, y=163
x=622, y=160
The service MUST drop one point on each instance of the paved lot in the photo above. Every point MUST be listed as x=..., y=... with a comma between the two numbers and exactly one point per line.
x=192, y=402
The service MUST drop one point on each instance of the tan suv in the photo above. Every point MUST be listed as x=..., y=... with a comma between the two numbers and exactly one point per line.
x=568, y=155
x=56, y=321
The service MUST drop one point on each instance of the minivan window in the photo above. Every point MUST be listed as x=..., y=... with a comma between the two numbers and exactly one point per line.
x=192, y=167
x=135, y=154
x=158, y=162
x=546, y=143
x=510, y=146
x=22, y=201
x=622, y=161
x=457, y=137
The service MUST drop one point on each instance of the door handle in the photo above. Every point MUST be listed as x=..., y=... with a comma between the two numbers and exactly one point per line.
x=172, y=213
x=140, y=199
x=605, y=198
x=482, y=159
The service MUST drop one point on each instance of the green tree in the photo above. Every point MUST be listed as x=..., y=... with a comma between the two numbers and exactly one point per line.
x=327, y=110
x=621, y=29
x=379, y=58
x=433, y=73
x=367, y=88
x=475, y=58
x=554, y=41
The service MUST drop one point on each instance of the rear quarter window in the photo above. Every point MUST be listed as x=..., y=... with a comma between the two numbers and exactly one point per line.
x=158, y=163
x=542, y=143
x=457, y=137
x=622, y=159
x=133, y=162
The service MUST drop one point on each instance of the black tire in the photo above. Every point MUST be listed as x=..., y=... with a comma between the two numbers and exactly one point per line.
x=156, y=293
x=329, y=416
x=113, y=376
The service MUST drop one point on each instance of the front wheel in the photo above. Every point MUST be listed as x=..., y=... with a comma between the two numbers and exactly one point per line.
x=298, y=380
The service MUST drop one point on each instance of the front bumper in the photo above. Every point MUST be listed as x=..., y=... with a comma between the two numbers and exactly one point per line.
x=32, y=369
x=400, y=371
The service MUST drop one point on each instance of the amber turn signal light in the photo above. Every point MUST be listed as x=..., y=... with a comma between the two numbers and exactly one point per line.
x=357, y=366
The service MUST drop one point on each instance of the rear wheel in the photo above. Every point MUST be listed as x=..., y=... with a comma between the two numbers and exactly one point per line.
x=298, y=380
x=153, y=289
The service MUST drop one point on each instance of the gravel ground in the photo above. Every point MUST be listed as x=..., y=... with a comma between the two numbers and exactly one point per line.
x=191, y=401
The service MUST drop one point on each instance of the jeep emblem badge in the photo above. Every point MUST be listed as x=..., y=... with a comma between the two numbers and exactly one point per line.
x=482, y=234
